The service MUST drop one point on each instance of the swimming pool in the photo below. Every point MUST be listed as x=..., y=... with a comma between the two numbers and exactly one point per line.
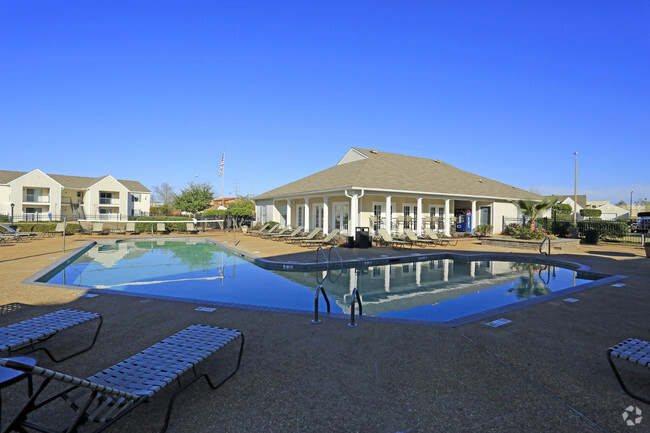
x=432, y=289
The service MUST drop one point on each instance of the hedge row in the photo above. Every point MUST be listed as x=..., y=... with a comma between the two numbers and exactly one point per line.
x=606, y=229
x=169, y=226
x=43, y=227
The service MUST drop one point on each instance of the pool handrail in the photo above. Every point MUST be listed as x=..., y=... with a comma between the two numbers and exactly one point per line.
x=355, y=298
x=546, y=238
x=319, y=289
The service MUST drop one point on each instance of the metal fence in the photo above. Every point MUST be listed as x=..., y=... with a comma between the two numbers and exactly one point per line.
x=44, y=217
x=609, y=231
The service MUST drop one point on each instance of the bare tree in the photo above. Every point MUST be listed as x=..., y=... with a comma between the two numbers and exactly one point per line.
x=164, y=193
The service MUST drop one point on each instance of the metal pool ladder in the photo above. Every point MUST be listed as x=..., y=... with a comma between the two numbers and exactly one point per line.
x=319, y=290
x=355, y=299
x=547, y=238
x=328, y=258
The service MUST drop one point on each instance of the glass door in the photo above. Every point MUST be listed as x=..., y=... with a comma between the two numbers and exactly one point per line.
x=341, y=216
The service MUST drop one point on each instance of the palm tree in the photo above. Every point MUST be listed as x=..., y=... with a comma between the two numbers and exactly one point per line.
x=532, y=209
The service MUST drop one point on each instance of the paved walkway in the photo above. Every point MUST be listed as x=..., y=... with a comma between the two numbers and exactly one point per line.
x=544, y=372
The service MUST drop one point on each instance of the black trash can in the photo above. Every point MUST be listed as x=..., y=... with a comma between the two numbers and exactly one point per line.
x=362, y=238
x=350, y=242
x=591, y=237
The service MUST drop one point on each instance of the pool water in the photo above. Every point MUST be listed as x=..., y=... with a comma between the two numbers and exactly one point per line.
x=435, y=290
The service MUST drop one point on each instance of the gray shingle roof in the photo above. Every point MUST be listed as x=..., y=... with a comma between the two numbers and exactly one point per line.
x=73, y=182
x=393, y=172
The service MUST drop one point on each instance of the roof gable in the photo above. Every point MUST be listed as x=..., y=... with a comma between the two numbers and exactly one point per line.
x=7, y=177
x=72, y=182
x=362, y=168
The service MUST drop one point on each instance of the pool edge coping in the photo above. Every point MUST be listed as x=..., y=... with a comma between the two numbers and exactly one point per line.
x=276, y=265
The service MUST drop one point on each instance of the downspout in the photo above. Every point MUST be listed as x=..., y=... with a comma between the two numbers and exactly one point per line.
x=354, y=209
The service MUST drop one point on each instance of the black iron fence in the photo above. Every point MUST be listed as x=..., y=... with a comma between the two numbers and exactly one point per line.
x=609, y=231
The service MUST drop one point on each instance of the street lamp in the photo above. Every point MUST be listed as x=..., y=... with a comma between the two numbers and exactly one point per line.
x=575, y=191
x=631, y=204
x=12, y=213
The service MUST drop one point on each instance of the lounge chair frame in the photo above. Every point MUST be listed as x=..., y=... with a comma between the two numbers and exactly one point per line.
x=17, y=234
x=272, y=232
x=327, y=240
x=422, y=242
x=109, y=395
x=632, y=350
x=283, y=236
x=441, y=241
x=26, y=335
x=311, y=235
x=257, y=232
x=387, y=240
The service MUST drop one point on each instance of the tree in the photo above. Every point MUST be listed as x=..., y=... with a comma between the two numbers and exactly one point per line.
x=195, y=198
x=532, y=209
x=562, y=211
x=241, y=209
x=164, y=193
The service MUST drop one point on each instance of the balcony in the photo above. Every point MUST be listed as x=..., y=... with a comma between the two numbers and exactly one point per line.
x=36, y=199
x=103, y=201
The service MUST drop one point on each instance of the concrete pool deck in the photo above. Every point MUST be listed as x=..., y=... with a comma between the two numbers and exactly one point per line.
x=545, y=371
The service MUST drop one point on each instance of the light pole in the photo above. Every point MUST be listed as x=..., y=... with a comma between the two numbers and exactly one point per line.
x=575, y=191
x=631, y=204
x=12, y=213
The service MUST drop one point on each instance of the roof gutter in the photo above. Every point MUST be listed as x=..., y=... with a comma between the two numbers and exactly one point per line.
x=363, y=191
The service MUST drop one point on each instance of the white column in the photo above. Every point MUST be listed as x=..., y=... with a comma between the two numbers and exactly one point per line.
x=326, y=216
x=418, y=222
x=388, y=214
x=354, y=214
x=307, y=225
x=472, y=269
x=418, y=273
x=473, y=224
x=447, y=232
x=359, y=223
x=289, y=223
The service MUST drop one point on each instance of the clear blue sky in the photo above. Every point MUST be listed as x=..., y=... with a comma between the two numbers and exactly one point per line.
x=156, y=90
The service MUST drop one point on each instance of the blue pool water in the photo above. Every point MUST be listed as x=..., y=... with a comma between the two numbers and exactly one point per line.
x=435, y=290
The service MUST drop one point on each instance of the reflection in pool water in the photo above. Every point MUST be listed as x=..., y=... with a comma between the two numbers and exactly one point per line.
x=435, y=290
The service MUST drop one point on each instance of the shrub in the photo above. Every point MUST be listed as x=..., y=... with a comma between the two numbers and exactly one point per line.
x=562, y=209
x=169, y=226
x=526, y=232
x=215, y=212
x=591, y=213
x=484, y=229
x=606, y=229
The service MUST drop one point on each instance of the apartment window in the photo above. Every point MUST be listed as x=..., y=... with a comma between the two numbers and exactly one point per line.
x=34, y=195
x=135, y=197
x=105, y=197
